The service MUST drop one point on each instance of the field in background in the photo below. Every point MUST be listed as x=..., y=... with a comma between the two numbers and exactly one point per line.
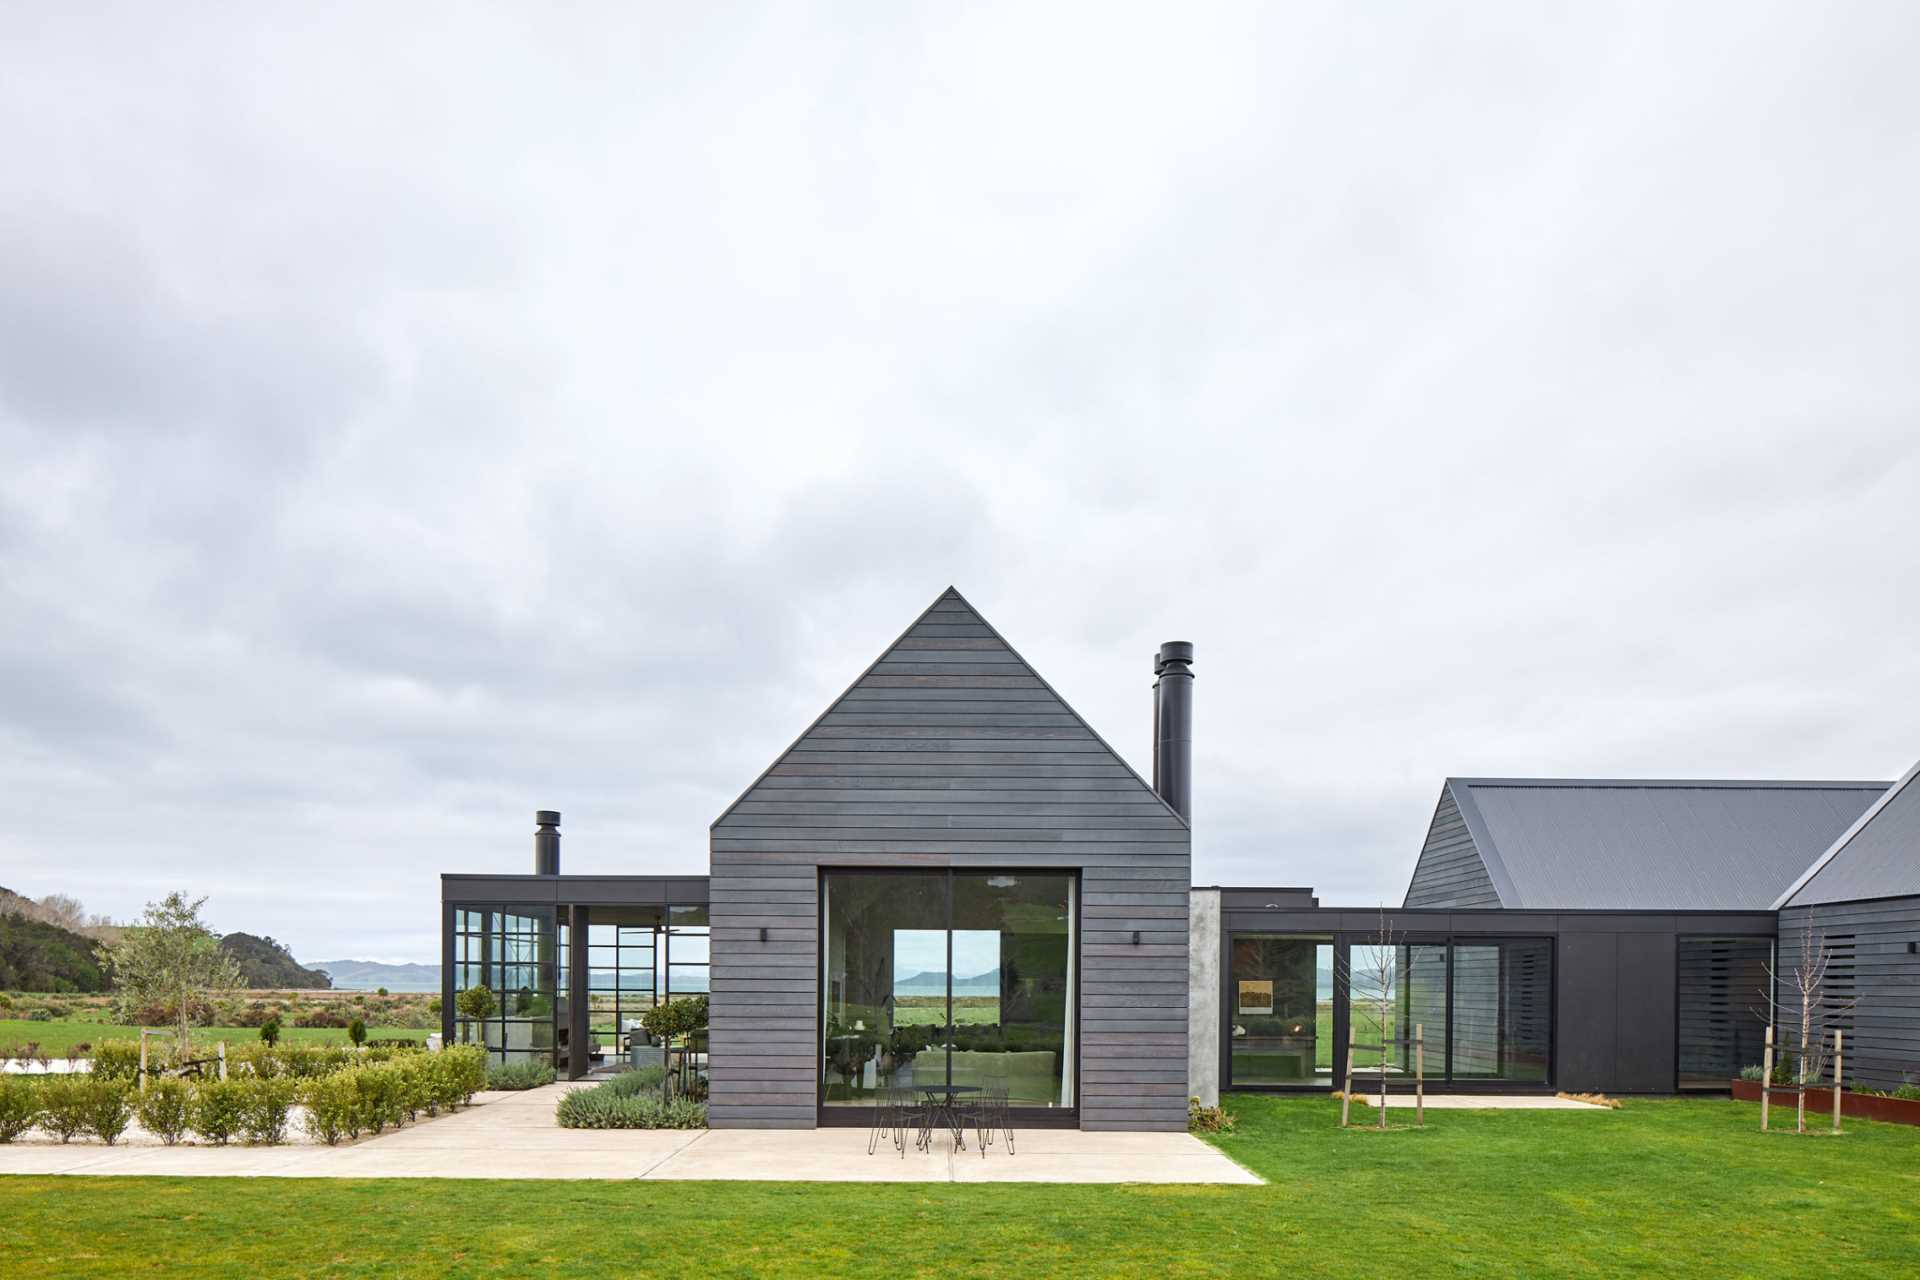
x=55, y=1038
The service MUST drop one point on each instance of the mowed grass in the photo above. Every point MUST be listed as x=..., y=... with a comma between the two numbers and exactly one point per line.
x=1658, y=1188
x=55, y=1038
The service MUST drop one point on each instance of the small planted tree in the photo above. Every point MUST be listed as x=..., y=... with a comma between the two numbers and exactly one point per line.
x=169, y=957
x=270, y=1032
x=475, y=1004
x=357, y=1032
x=1805, y=998
x=1383, y=974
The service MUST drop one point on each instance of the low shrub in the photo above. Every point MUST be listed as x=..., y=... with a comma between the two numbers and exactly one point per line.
x=19, y=1106
x=383, y=1095
x=63, y=1105
x=464, y=1072
x=107, y=1106
x=639, y=1080
x=399, y=1043
x=333, y=1107
x=320, y=1018
x=524, y=1074
x=1202, y=1119
x=602, y=1108
x=163, y=1108
x=218, y=1110
x=264, y=1105
x=357, y=1032
x=1907, y=1092
x=116, y=1060
x=270, y=1031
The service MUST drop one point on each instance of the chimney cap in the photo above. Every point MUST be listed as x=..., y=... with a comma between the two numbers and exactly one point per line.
x=1176, y=651
x=546, y=817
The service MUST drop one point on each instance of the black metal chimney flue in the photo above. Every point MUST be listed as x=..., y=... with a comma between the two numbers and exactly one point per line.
x=546, y=842
x=1173, y=726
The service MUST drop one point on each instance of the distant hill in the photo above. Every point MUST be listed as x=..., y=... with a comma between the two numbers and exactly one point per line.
x=934, y=983
x=37, y=956
x=371, y=975
x=268, y=965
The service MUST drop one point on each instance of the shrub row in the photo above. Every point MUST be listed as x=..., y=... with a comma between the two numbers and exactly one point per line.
x=217, y=1110
x=367, y=1099
x=120, y=1059
x=254, y=1109
x=629, y=1101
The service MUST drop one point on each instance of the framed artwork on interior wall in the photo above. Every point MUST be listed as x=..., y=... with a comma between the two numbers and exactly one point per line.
x=1256, y=996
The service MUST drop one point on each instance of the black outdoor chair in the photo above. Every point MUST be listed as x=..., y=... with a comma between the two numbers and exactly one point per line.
x=895, y=1113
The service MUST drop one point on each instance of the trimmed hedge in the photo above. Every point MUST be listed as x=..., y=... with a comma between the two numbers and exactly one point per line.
x=367, y=1099
x=19, y=1106
x=163, y=1109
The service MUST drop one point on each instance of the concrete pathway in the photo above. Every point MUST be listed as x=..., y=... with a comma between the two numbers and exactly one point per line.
x=1485, y=1102
x=512, y=1135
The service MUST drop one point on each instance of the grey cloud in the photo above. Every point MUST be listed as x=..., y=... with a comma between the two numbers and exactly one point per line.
x=411, y=421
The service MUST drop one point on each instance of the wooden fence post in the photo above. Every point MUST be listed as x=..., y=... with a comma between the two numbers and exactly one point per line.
x=1419, y=1077
x=143, y=1060
x=223, y=1059
x=1346, y=1093
x=1766, y=1079
x=1839, y=1077
x=1800, y=1089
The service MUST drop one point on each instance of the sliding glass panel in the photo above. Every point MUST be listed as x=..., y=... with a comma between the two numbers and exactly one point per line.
x=884, y=1018
x=1724, y=988
x=1013, y=986
x=1502, y=1010
x=1281, y=1021
x=1391, y=992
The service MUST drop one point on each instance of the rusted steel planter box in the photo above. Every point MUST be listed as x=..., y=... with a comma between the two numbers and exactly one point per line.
x=1820, y=1102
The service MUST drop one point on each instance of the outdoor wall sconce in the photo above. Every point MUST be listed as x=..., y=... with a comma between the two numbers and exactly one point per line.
x=763, y=933
x=1136, y=937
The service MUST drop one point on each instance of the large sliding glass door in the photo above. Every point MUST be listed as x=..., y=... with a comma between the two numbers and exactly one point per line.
x=938, y=977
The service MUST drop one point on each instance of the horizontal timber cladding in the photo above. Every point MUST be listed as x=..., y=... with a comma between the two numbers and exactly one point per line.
x=1869, y=962
x=950, y=752
x=1450, y=871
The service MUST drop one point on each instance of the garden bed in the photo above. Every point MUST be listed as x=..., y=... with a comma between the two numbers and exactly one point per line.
x=1865, y=1106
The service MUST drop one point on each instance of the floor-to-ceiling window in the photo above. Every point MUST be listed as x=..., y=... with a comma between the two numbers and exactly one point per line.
x=1280, y=1010
x=623, y=976
x=510, y=952
x=1723, y=999
x=938, y=977
x=1502, y=1025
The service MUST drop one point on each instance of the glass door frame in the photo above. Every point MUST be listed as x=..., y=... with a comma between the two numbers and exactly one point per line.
x=1343, y=944
x=843, y=1116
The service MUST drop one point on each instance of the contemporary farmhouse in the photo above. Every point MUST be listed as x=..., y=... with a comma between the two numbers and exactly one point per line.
x=949, y=877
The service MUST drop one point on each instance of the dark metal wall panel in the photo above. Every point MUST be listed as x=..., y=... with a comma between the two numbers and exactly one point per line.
x=1646, y=1020
x=951, y=752
x=1586, y=1011
x=1450, y=872
x=1883, y=1031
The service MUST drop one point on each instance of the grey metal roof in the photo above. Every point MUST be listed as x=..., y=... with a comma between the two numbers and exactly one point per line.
x=1877, y=857
x=1652, y=844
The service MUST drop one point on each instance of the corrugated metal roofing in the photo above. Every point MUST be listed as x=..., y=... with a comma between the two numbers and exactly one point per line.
x=1660, y=845
x=1877, y=857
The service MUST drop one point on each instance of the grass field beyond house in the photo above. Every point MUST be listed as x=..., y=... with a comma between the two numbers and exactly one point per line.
x=55, y=1038
x=1666, y=1188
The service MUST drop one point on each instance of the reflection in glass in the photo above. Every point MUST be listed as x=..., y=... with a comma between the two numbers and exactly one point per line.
x=910, y=1000
x=1281, y=1015
x=1723, y=999
x=1502, y=1010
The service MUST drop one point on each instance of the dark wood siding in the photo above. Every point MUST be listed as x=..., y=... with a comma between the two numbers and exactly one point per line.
x=1450, y=872
x=1868, y=943
x=950, y=751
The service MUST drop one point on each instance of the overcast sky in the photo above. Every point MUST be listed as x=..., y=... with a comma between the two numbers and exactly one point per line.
x=408, y=427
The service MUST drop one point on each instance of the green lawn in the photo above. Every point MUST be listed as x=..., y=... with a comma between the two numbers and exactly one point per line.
x=56, y=1037
x=1668, y=1188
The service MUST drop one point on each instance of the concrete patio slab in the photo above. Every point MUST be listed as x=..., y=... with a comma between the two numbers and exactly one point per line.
x=513, y=1135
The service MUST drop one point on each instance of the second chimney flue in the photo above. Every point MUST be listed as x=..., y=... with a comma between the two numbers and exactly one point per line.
x=1173, y=726
x=546, y=842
